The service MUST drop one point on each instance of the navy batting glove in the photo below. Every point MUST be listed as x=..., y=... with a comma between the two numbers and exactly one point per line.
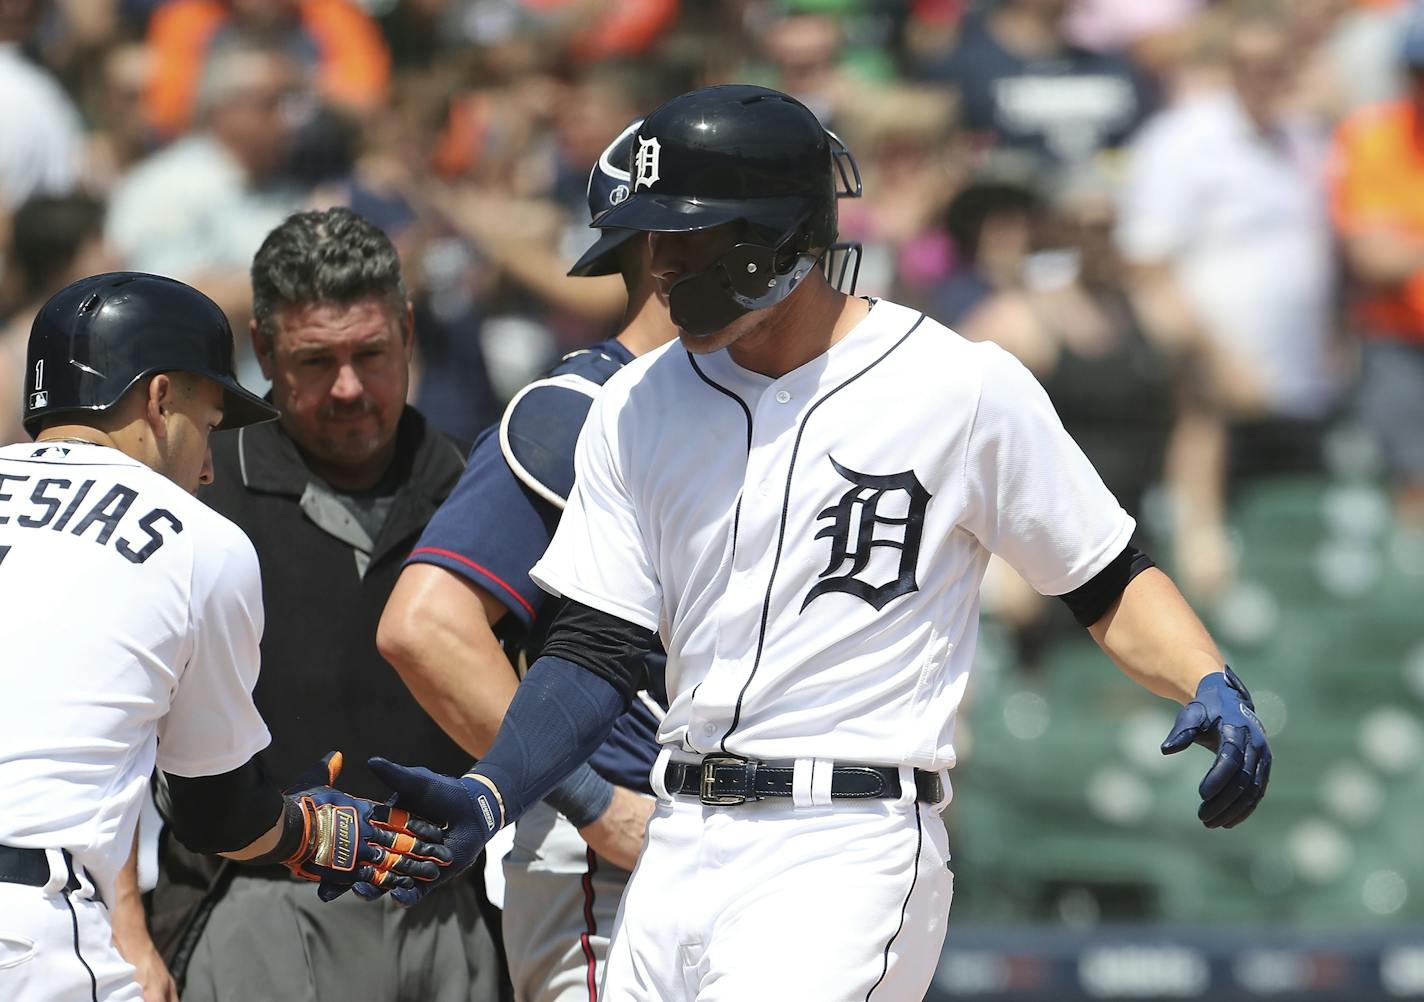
x=1223, y=719
x=466, y=807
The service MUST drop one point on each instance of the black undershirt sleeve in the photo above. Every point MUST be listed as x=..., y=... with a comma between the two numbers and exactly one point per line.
x=612, y=648
x=1091, y=601
x=221, y=813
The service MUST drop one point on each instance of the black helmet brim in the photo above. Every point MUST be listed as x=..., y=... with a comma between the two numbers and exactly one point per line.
x=241, y=407
x=601, y=259
x=653, y=213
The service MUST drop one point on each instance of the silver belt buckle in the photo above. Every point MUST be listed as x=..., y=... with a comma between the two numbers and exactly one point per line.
x=708, y=781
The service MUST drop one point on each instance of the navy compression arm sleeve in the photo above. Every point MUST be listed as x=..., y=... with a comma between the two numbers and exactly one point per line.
x=561, y=713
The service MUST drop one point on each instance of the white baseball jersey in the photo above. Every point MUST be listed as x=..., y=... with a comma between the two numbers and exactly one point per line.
x=132, y=619
x=811, y=547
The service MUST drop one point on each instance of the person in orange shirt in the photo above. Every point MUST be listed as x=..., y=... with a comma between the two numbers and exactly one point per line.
x=1377, y=200
x=338, y=42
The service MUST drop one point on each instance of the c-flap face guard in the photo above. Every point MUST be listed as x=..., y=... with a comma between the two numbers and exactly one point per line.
x=842, y=258
x=847, y=170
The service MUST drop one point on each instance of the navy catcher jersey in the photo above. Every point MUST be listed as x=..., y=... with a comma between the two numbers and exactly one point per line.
x=502, y=514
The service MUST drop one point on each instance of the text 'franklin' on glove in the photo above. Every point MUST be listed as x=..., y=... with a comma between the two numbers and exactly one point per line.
x=1223, y=719
x=351, y=842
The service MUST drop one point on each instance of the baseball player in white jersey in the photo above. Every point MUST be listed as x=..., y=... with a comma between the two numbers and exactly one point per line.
x=800, y=497
x=132, y=618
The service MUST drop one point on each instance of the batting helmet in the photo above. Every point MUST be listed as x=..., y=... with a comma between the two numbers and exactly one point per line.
x=99, y=336
x=737, y=153
x=607, y=186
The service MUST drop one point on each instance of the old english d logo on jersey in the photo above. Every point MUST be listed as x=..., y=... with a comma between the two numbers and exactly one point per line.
x=645, y=163
x=872, y=502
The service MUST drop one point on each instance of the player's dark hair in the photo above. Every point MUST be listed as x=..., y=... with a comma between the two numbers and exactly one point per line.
x=333, y=256
x=49, y=232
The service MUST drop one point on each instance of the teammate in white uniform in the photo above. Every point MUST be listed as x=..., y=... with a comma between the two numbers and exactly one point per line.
x=800, y=498
x=132, y=617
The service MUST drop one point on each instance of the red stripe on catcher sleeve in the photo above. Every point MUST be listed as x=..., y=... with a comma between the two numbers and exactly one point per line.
x=451, y=555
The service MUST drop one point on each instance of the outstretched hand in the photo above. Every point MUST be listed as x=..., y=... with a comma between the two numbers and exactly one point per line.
x=350, y=842
x=467, y=806
x=1223, y=719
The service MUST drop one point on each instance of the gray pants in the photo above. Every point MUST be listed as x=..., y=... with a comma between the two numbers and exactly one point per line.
x=276, y=941
x=559, y=904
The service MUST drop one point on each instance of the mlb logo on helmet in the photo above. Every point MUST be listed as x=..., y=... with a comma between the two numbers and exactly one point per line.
x=646, y=163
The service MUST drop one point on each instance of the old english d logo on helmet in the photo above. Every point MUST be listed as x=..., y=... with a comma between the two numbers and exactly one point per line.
x=645, y=161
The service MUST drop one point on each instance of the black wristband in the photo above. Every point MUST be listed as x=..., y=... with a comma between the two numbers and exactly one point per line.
x=582, y=797
x=289, y=843
x=1091, y=602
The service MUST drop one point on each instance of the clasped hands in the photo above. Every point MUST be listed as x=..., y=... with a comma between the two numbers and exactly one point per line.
x=351, y=843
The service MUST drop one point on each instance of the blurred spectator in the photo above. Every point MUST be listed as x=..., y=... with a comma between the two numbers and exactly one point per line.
x=1115, y=25
x=523, y=152
x=1052, y=294
x=73, y=35
x=600, y=30
x=120, y=136
x=55, y=240
x=334, y=42
x=1023, y=84
x=199, y=209
x=1378, y=200
x=1154, y=36
x=912, y=162
x=804, y=54
x=1242, y=230
x=991, y=223
x=1063, y=311
x=1361, y=54
x=40, y=141
x=1223, y=221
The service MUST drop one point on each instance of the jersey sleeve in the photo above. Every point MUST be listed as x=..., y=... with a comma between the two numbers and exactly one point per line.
x=1032, y=497
x=600, y=555
x=490, y=531
x=212, y=725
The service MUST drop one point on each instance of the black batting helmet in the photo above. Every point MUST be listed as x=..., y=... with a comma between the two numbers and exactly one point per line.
x=608, y=185
x=97, y=337
x=737, y=153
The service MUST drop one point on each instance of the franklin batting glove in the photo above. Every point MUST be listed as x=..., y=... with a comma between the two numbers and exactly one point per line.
x=469, y=810
x=1223, y=719
x=348, y=841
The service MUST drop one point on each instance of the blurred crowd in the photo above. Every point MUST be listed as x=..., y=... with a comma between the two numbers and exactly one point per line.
x=1201, y=224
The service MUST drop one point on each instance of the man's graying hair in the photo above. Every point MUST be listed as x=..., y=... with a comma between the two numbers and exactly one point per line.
x=333, y=256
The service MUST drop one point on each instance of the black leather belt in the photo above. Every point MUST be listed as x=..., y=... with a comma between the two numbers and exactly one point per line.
x=31, y=866
x=724, y=780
